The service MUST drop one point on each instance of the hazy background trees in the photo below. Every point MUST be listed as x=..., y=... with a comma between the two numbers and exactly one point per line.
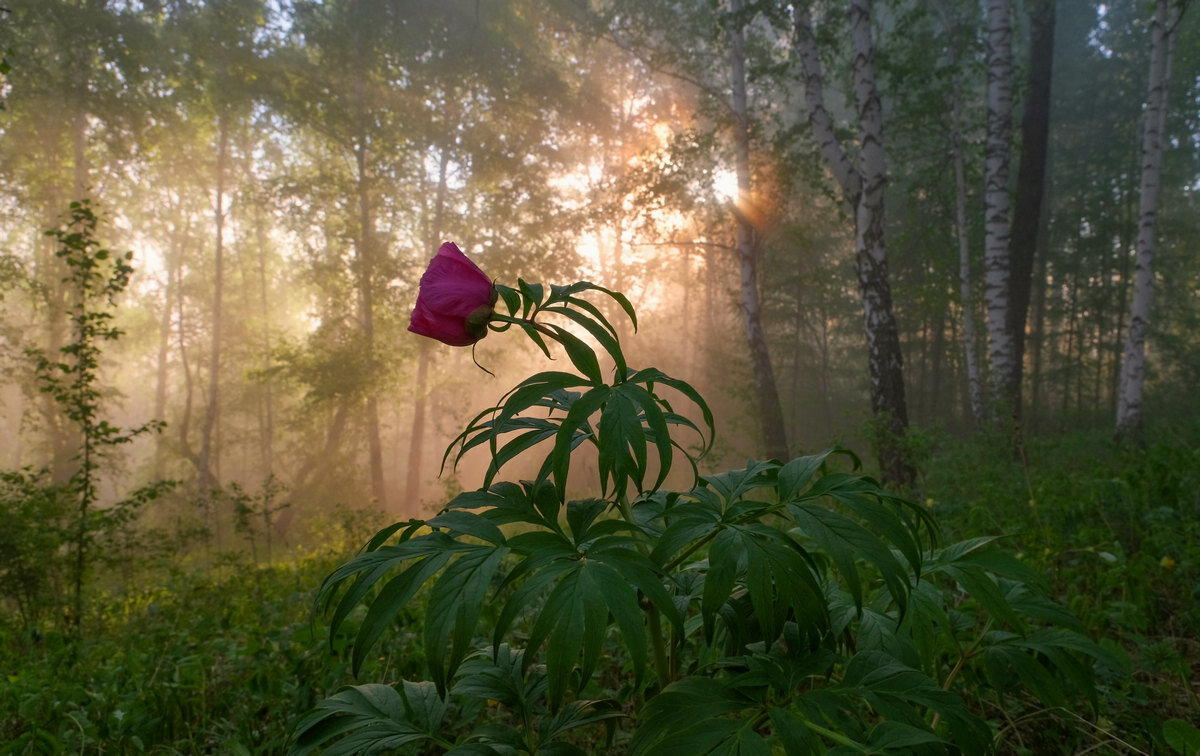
x=283, y=170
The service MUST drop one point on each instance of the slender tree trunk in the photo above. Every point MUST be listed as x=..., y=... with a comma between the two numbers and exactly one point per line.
x=1073, y=328
x=770, y=410
x=863, y=188
x=970, y=340
x=1031, y=186
x=173, y=261
x=1133, y=373
x=1038, y=333
x=1124, y=267
x=366, y=295
x=883, y=338
x=185, y=415
x=939, y=362
x=416, y=447
x=267, y=416
x=996, y=203
x=204, y=464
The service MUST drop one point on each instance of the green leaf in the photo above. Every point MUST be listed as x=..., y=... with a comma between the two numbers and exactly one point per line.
x=391, y=600
x=893, y=690
x=621, y=444
x=606, y=339
x=1182, y=736
x=455, y=602
x=880, y=511
x=775, y=573
x=531, y=296
x=512, y=298
x=898, y=737
x=577, y=714
x=796, y=474
x=846, y=542
x=459, y=523
x=582, y=356
x=650, y=376
x=573, y=620
x=501, y=677
x=578, y=416
x=369, y=719
x=691, y=716
x=656, y=421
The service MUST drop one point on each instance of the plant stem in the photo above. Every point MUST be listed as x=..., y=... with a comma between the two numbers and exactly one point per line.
x=661, y=665
x=836, y=737
x=962, y=659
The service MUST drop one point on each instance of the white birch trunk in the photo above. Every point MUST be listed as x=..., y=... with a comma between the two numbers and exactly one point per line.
x=1133, y=370
x=863, y=188
x=996, y=199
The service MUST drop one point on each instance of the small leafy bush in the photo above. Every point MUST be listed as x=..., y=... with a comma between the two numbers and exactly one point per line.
x=785, y=606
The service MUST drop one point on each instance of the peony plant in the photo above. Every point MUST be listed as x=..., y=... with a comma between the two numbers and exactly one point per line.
x=787, y=606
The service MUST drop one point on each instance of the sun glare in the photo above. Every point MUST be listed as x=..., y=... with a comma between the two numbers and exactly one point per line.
x=724, y=184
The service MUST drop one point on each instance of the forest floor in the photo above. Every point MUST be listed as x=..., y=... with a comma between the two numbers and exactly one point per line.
x=225, y=660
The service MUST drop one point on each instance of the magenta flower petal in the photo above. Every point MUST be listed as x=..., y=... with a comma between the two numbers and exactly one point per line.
x=454, y=301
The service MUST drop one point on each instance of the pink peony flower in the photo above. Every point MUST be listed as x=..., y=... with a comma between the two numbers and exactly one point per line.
x=455, y=301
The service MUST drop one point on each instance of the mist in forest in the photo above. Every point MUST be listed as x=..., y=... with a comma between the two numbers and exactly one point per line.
x=283, y=171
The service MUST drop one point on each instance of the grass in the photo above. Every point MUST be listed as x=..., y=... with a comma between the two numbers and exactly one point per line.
x=225, y=661
x=1116, y=528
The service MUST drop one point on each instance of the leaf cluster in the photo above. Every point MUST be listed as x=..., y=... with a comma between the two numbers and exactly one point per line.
x=789, y=606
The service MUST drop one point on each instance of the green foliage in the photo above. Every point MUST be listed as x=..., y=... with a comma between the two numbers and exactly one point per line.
x=96, y=277
x=1116, y=531
x=198, y=664
x=33, y=568
x=792, y=606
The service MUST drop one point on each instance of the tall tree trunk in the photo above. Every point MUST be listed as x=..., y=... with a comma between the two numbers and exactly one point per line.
x=863, y=189
x=970, y=340
x=204, y=464
x=770, y=410
x=997, y=263
x=1123, y=267
x=184, y=425
x=1038, y=332
x=1031, y=186
x=267, y=402
x=173, y=261
x=416, y=439
x=366, y=294
x=1133, y=372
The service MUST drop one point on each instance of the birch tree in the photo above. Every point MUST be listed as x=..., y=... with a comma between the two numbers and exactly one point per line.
x=862, y=187
x=1133, y=371
x=774, y=436
x=996, y=200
